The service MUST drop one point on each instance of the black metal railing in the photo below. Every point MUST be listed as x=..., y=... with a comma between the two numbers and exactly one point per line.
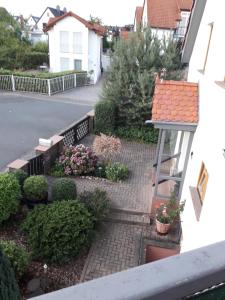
x=36, y=165
x=76, y=132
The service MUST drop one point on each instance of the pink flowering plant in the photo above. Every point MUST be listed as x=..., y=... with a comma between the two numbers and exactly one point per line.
x=168, y=212
x=78, y=160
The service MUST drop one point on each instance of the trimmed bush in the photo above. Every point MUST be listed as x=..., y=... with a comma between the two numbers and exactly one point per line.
x=116, y=172
x=9, y=289
x=36, y=187
x=10, y=195
x=97, y=203
x=32, y=60
x=21, y=176
x=44, y=75
x=145, y=134
x=58, y=231
x=64, y=189
x=105, y=116
x=57, y=170
x=78, y=160
x=17, y=255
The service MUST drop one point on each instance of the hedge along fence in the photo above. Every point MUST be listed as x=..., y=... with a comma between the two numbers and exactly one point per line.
x=47, y=86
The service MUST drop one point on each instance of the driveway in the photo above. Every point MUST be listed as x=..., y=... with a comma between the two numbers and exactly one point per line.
x=24, y=118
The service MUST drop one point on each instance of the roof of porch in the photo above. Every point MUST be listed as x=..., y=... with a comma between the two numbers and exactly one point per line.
x=175, y=102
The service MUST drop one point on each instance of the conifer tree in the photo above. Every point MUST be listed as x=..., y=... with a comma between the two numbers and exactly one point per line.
x=8, y=287
x=129, y=82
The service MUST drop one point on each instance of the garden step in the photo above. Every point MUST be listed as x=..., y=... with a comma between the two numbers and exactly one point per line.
x=128, y=218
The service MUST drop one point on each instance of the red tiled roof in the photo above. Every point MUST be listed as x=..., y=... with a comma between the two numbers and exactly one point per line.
x=138, y=14
x=175, y=102
x=100, y=30
x=166, y=13
x=124, y=34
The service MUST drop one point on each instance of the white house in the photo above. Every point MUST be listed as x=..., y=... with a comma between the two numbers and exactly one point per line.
x=75, y=44
x=32, y=22
x=190, y=115
x=36, y=33
x=167, y=18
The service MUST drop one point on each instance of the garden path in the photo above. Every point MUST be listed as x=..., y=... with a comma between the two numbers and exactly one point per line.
x=117, y=246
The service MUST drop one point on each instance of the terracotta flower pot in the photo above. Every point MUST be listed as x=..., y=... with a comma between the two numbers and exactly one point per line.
x=162, y=228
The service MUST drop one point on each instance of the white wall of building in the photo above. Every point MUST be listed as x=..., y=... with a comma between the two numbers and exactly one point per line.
x=45, y=18
x=94, y=55
x=70, y=25
x=209, y=139
x=163, y=33
x=90, y=54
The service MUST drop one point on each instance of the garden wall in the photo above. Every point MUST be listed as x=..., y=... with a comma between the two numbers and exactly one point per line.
x=45, y=156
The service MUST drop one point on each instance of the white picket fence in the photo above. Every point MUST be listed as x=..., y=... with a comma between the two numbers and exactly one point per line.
x=42, y=86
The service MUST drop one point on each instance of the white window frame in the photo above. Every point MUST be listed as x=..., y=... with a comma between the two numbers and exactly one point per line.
x=64, y=41
x=77, y=43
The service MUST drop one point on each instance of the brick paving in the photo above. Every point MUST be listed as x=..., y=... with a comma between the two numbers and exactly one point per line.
x=117, y=246
x=136, y=192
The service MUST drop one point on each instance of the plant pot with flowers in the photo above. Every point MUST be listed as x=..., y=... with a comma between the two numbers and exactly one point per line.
x=167, y=213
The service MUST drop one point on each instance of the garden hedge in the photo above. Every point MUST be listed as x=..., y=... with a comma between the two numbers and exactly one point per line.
x=105, y=116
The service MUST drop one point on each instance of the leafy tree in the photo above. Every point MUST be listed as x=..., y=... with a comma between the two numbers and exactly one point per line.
x=130, y=80
x=95, y=20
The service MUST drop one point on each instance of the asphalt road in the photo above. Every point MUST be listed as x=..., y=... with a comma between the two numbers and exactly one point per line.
x=24, y=118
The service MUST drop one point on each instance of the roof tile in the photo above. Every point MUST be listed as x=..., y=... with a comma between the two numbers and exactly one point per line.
x=175, y=102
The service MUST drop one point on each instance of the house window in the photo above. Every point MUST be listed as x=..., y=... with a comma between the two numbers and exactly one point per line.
x=64, y=41
x=77, y=64
x=208, y=46
x=202, y=182
x=64, y=64
x=77, y=42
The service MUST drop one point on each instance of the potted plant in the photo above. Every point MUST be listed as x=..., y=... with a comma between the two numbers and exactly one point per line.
x=35, y=190
x=167, y=213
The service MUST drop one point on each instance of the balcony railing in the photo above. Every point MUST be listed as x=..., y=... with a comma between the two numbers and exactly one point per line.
x=176, y=277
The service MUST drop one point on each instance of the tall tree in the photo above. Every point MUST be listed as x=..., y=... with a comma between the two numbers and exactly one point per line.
x=129, y=82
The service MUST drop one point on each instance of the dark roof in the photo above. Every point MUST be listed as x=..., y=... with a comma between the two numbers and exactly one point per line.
x=100, y=30
x=56, y=12
x=36, y=19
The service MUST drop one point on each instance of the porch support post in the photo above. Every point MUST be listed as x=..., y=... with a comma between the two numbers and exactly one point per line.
x=157, y=148
x=179, y=150
x=185, y=163
x=159, y=159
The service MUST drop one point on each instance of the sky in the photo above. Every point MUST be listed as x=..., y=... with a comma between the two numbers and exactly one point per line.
x=112, y=12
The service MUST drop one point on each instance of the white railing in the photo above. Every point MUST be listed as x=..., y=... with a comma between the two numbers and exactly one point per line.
x=42, y=86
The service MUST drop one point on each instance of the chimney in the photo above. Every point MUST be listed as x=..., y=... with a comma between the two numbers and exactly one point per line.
x=58, y=10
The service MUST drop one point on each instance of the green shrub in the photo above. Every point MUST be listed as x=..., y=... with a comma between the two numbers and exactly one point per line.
x=58, y=231
x=40, y=47
x=44, y=75
x=116, y=172
x=9, y=289
x=17, y=255
x=57, y=170
x=145, y=134
x=35, y=187
x=10, y=194
x=21, y=176
x=32, y=60
x=105, y=115
x=97, y=203
x=64, y=189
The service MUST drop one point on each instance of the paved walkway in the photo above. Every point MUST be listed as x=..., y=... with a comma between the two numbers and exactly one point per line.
x=117, y=246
